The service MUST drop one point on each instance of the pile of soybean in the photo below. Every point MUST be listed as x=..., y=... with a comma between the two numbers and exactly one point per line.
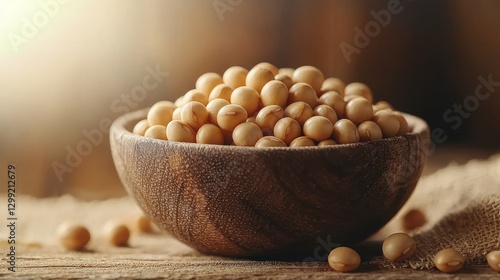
x=396, y=247
x=400, y=246
x=271, y=107
x=75, y=236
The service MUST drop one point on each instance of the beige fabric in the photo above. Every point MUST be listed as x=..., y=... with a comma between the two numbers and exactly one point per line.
x=462, y=205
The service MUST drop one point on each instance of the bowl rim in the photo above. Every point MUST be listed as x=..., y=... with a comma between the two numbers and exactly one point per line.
x=122, y=127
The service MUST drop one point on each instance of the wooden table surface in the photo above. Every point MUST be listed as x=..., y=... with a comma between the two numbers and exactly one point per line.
x=158, y=256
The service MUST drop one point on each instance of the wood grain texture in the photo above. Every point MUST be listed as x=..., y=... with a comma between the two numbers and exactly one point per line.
x=240, y=201
x=162, y=257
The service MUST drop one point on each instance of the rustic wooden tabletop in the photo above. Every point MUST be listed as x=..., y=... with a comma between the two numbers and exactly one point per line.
x=158, y=256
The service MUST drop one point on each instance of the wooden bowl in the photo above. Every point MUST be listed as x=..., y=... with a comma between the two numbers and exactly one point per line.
x=241, y=201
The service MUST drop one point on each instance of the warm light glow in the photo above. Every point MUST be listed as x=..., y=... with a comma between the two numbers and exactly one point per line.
x=11, y=18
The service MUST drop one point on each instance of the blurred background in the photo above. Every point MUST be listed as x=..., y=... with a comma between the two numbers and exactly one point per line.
x=67, y=68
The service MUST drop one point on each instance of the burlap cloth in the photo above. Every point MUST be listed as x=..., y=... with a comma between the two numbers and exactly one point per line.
x=462, y=206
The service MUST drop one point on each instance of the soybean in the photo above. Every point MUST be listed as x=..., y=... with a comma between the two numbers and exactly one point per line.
x=73, y=236
x=269, y=141
x=326, y=111
x=247, y=134
x=269, y=116
x=403, y=124
x=333, y=84
x=398, y=246
x=493, y=259
x=207, y=82
x=210, y=134
x=274, y=93
x=194, y=114
x=302, y=141
x=334, y=100
x=285, y=79
x=160, y=114
x=176, y=115
x=449, y=260
x=302, y=92
x=286, y=71
x=318, y=128
x=194, y=95
x=358, y=110
x=388, y=123
x=369, y=131
x=222, y=91
x=382, y=105
x=180, y=132
x=258, y=77
x=140, y=223
x=310, y=75
x=268, y=66
x=213, y=108
x=299, y=111
x=247, y=98
x=327, y=142
x=344, y=259
x=179, y=102
x=141, y=127
x=345, y=132
x=359, y=89
x=117, y=234
x=235, y=76
x=413, y=219
x=157, y=132
x=230, y=116
x=287, y=129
